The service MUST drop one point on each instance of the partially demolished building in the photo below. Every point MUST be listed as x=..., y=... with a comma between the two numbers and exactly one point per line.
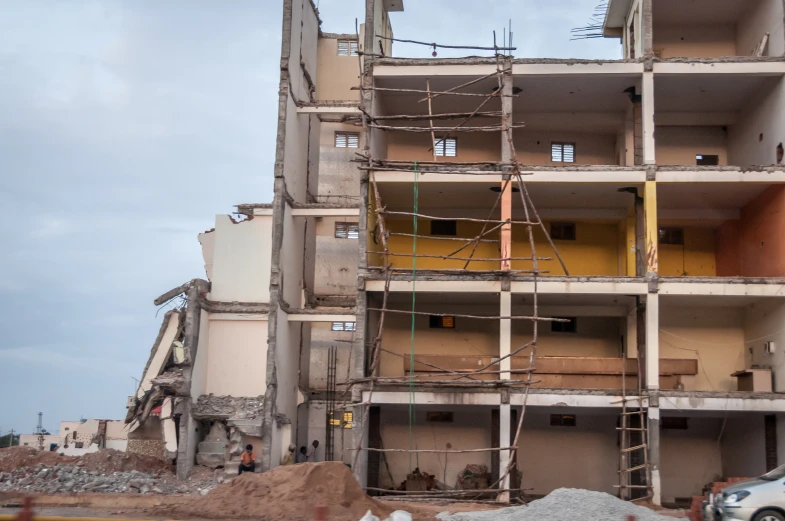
x=491, y=268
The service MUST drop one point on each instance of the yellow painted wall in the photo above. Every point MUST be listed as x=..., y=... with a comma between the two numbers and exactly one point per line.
x=436, y=247
x=594, y=252
x=713, y=335
x=695, y=258
x=336, y=75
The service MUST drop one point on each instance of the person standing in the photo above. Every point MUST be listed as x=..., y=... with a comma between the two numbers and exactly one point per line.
x=247, y=460
x=288, y=459
x=302, y=456
x=312, y=451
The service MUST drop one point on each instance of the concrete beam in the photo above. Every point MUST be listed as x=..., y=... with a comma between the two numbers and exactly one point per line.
x=698, y=403
x=430, y=398
x=567, y=400
x=388, y=71
x=750, y=68
x=549, y=69
x=440, y=286
x=237, y=316
x=545, y=286
x=720, y=176
x=325, y=212
x=320, y=318
x=720, y=288
x=551, y=175
x=328, y=109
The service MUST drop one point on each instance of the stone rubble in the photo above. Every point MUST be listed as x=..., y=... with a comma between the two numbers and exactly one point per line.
x=67, y=479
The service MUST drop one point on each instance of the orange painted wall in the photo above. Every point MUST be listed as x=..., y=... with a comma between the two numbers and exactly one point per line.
x=762, y=238
x=728, y=249
x=755, y=245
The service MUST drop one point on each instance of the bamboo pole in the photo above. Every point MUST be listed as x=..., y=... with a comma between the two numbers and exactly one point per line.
x=447, y=257
x=464, y=219
x=472, y=82
x=487, y=128
x=443, y=93
x=446, y=115
x=481, y=317
x=494, y=48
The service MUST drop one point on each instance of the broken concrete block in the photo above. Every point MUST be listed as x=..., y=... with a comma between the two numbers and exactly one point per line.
x=210, y=460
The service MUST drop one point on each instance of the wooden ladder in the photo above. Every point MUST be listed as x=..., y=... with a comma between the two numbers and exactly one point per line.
x=633, y=455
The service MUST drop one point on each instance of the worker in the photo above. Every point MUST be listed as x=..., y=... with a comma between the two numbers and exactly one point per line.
x=247, y=460
x=302, y=456
x=288, y=458
x=312, y=451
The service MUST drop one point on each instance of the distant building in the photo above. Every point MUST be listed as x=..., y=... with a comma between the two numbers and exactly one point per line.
x=81, y=437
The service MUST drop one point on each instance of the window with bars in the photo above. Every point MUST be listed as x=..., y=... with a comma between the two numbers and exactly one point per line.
x=338, y=420
x=570, y=326
x=347, y=230
x=344, y=326
x=563, y=231
x=563, y=420
x=347, y=140
x=445, y=147
x=673, y=236
x=439, y=322
x=347, y=48
x=562, y=152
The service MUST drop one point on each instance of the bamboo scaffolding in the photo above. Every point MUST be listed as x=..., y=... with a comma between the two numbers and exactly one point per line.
x=430, y=237
x=441, y=93
x=448, y=257
x=416, y=117
x=481, y=317
x=462, y=85
x=486, y=128
x=464, y=219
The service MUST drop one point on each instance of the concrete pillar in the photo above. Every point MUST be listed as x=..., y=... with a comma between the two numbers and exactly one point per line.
x=647, y=91
x=360, y=437
x=505, y=242
x=652, y=342
x=504, y=455
x=652, y=227
x=631, y=338
x=647, y=28
x=654, y=452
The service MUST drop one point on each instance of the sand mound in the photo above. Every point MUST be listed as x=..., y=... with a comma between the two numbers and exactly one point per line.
x=288, y=493
x=104, y=461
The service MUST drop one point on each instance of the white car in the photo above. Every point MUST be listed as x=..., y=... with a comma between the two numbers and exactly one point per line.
x=759, y=499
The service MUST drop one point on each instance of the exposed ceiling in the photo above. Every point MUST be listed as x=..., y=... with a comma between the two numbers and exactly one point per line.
x=709, y=92
x=693, y=12
x=457, y=196
x=707, y=196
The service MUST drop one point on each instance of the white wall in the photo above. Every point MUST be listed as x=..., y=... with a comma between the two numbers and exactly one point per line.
x=764, y=322
x=690, y=458
x=336, y=259
x=241, y=261
x=762, y=115
x=161, y=354
x=584, y=456
x=237, y=357
x=766, y=17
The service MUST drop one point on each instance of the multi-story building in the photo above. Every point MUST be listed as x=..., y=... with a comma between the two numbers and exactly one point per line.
x=659, y=181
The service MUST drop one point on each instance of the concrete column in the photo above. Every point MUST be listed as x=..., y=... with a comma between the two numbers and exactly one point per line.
x=647, y=28
x=652, y=342
x=654, y=453
x=631, y=339
x=647, y=91
x=652, y=227
x=504, y=441
x=360, y=436
x=505, y=243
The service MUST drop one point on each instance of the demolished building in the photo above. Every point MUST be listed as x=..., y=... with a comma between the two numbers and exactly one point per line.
x=387, y=330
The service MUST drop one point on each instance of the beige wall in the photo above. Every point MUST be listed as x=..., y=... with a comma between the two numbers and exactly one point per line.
x=481, y=146
x=762, y=116
x=744, y=447
x=680, y=145
x=585, y=456
x=534, y=148
x=237, y=357
x=763, y=322
x=690, y=458
x=596, y=336
x=336, y=259
x=766, y=17
x=471, y=429
x=241, y=260
x=713, y=335
x=470, y=336
x=695, y=41
x=336, y=75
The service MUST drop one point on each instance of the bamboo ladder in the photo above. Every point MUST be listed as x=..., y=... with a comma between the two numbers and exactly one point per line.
x=628, y=450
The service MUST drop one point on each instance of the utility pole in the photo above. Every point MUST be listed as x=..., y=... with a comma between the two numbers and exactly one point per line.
x=11, y=443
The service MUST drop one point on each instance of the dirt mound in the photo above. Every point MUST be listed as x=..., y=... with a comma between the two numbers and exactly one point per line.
x=288, y=493
x=104, y=461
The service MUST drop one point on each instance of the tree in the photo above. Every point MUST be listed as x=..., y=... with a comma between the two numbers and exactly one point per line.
x=5, y=440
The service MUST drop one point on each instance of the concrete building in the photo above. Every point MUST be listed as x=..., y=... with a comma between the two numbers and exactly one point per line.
x=659, y=181
x=81, y=437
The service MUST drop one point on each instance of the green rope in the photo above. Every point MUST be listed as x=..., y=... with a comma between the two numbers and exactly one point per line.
x=411, y=350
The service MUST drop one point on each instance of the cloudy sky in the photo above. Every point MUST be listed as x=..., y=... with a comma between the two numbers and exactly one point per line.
x=125, y=126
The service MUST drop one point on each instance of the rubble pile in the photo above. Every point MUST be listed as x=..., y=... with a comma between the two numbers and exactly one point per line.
x=289, y=492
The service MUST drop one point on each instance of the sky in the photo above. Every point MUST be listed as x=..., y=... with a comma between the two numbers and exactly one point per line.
x=125, y=127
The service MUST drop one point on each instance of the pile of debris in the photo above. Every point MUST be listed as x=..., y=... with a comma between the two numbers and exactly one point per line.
x=289, y=492
x=103, y=461
x=564, y=504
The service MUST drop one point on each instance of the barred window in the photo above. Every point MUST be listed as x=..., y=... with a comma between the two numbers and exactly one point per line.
x=563, y=152
x=347, y=48
x=347, y=230
x=347, y=140
x=344, y=326
x=446, y=147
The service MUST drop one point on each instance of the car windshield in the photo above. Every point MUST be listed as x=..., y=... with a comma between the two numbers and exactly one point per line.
x=775, y=474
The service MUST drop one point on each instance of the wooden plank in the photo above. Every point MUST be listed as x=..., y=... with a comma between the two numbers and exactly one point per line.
x=553, y=364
